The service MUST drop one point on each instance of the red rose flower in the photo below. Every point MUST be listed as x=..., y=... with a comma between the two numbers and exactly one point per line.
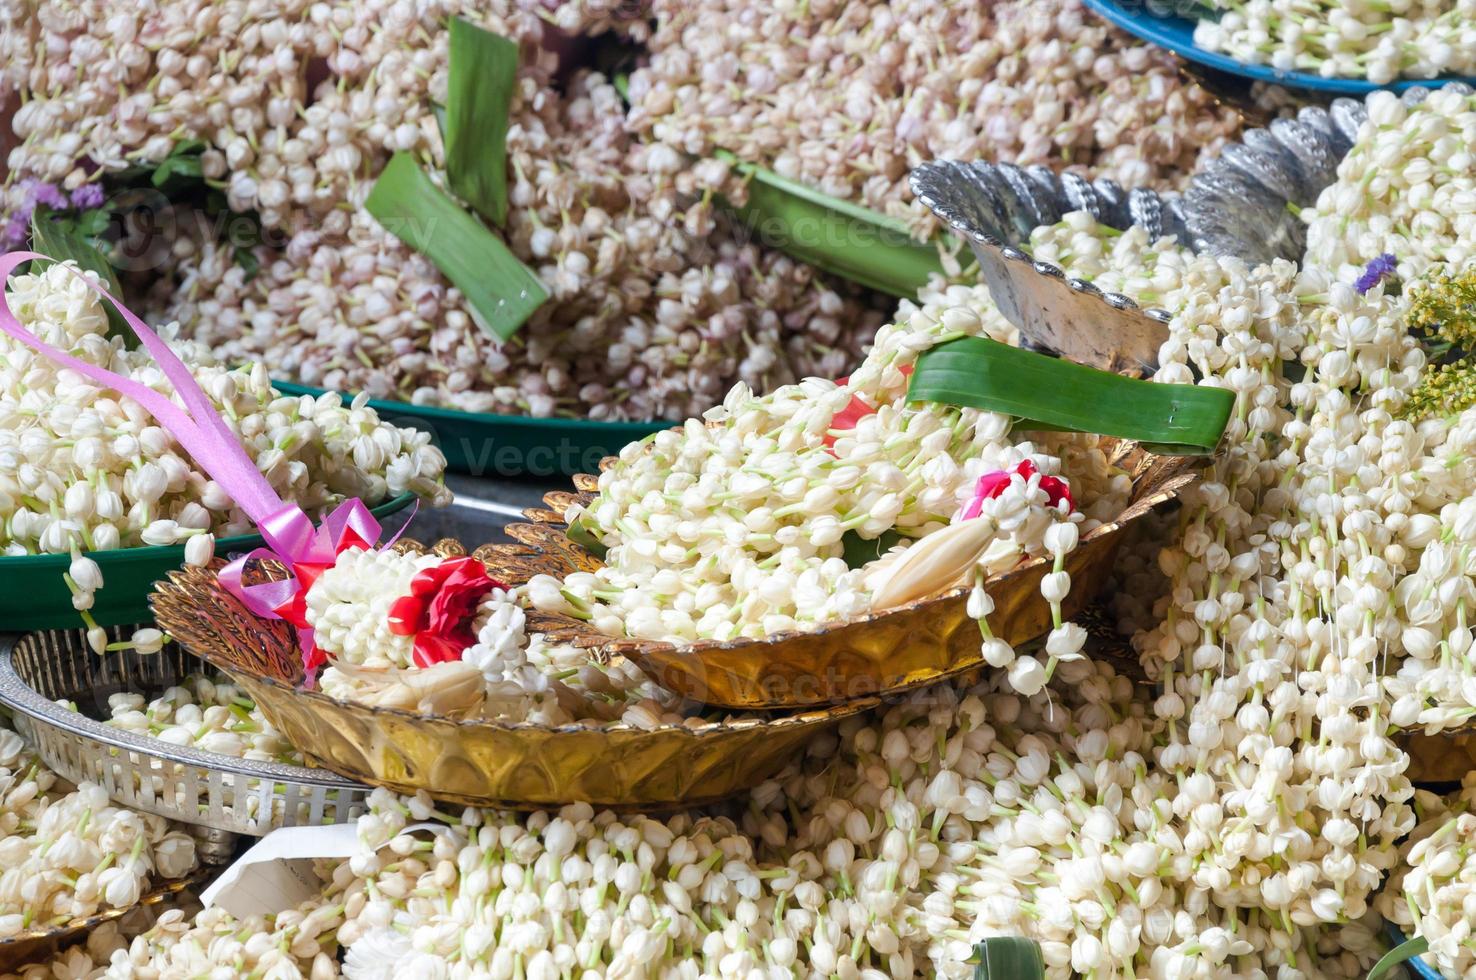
x=439, y=609
x=991, y=485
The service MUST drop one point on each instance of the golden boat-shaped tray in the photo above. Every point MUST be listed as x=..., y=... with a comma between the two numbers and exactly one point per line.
x=880, y=654
x=521, y=766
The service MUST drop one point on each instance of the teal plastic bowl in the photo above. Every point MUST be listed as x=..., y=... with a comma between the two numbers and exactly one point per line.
x=34, y=597
x=507, y=445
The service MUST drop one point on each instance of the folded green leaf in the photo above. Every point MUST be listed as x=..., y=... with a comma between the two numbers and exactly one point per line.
x=483, y=78
x=62, y=242
x=1049, y=393
x=840, y=237
x=1008, y=958
x=1407, y=950
x=500, y=291
x=580, y=531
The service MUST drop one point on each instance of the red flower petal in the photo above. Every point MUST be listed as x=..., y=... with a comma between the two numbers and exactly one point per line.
x=439, y=610
x=294, y=610
x=462, y=589
x=407, y=615
x=846, y=419
x=431, y=649
x=1057, y=491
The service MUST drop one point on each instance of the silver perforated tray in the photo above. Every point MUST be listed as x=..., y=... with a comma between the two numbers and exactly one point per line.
x=219, y=792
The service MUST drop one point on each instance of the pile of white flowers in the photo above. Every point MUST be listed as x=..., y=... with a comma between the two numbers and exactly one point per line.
x=207, y=713
x=1407, y=188
x=69, y=853
x=883, y=853
x=1336, y=39
x=848, y=97
x=297, y=944
x=1234, y=816
x=83, y=469
x=655, y=306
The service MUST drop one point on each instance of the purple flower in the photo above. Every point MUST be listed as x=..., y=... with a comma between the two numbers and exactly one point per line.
x=1377, y=271
x=87, y=196
x=22, y=214
x=14, y=233
x=51, y=196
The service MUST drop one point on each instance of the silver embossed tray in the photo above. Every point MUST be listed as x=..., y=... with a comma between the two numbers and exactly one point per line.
x=1242, y=204
x=220, y=794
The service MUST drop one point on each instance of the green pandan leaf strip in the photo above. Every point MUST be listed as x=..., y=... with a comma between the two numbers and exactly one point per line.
x=501, y=293
x=1008, y=958
x=479, y=93
x=1405, y=951
x=582, y=533
x=1045, y=392
x=860, y=552
x=838, y=236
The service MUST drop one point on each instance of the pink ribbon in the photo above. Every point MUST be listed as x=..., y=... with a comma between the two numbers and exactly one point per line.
x=198, y=427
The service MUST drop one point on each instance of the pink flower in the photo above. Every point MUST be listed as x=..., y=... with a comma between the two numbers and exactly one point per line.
x=439, y=609
x=991, y=485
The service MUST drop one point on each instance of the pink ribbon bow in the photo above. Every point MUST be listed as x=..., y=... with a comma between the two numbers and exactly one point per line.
x=198, y=427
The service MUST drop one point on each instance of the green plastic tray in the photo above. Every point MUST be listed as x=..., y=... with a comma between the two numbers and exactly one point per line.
x=129, y=575
x=840, y=237
x=507, y=445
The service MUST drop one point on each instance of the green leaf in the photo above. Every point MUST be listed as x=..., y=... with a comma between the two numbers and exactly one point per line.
x=838, y=236
x=483, y=77
x=860, y=552
x=178, y=165
x=61, y=243
x=1050, y=393
x=1407, y=950
x=1008, y=958
x=582, y=533
x=500, y=291
x=91, y=224
x=247, y=260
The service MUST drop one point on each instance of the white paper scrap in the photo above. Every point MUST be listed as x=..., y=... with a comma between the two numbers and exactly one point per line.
x=277, y=873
